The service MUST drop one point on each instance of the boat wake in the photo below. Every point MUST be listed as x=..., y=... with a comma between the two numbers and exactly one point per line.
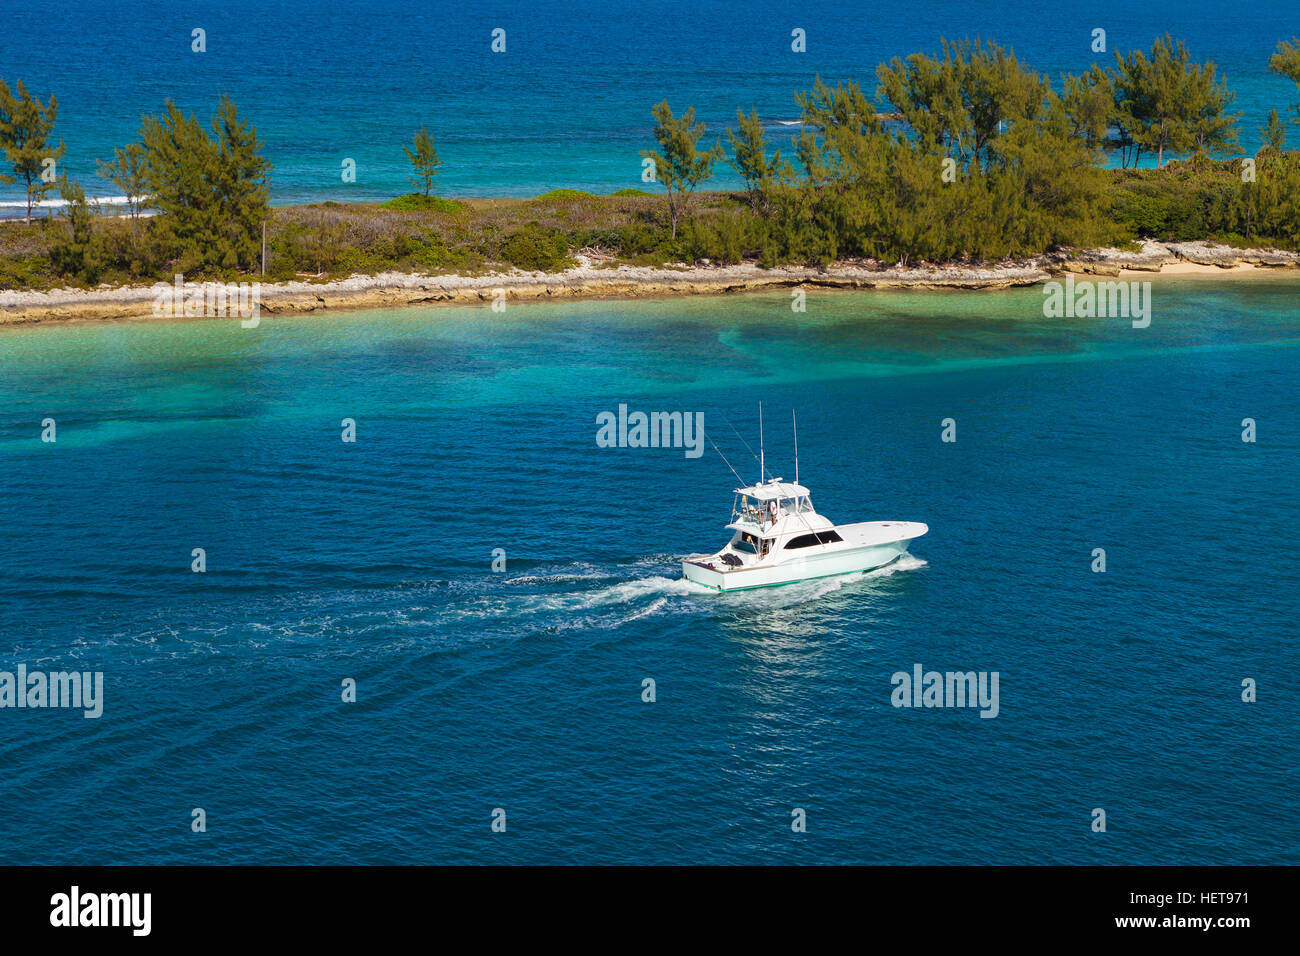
x=613, y=600
x=561, y=598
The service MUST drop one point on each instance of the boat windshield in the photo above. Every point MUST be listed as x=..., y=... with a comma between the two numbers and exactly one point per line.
x=756, y=510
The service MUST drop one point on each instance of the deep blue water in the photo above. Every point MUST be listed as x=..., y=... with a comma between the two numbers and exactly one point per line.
x=568, y=103
x=521, y=690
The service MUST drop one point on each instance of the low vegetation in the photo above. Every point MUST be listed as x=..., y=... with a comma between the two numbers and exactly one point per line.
x=966, y=156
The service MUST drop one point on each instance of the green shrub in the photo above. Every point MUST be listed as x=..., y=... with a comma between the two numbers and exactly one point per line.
x=647, y=243
x=725, y=238
x=434, y=255
x=1160, y=210
x=78, y=252
x=418, y=202
x=563, y=194
x=24, y=272
x=536, y=249
x=352, y=261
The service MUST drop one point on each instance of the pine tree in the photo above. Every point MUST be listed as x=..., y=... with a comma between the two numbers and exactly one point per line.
x=210, y=190
x=1089, y=103
x=425, y=160
x=1165, y=103
x=1274, y=133
x=1212, y=128
x=1286, y=62
x=77, y=252
x=179, y=169
x=679, y=166
x=25, y=127
x=241, y=185
x=750, y=160
x=126, y=172
x=963, y=102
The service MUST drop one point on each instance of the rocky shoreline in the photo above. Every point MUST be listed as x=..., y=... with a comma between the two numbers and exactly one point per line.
x=593, y=279
x=1159, y=256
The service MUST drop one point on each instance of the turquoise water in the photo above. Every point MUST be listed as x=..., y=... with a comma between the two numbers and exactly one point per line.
x=521, y=689
x=568, y=103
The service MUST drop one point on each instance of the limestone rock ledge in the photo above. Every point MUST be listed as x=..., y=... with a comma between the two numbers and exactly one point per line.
x=588, y=279
x=1156, y=256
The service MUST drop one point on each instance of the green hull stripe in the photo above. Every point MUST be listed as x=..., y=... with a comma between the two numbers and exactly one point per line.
x=815, y=577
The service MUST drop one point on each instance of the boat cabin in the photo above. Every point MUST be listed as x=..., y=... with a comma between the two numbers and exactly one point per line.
x=764, y=506
x=770, y=519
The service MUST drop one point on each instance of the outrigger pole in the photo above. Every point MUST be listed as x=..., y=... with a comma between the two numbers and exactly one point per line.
x=724, y=458
x=762, y=470
x=795, y=420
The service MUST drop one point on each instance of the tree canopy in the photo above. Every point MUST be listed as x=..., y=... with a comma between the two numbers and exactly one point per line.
x=680, y=167
x=425, y=160
x=25, y=127
x=211, y=188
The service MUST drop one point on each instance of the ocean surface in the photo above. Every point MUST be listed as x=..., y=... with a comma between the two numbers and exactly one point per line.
x=568, y=102
x=520, y=689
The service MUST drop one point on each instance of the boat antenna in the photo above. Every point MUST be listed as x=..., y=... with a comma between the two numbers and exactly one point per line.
x=795, y=420
x=761, y=469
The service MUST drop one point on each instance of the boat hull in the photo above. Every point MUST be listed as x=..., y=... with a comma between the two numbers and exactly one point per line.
x=851, y=560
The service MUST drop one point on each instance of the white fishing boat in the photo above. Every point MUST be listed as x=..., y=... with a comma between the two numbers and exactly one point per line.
x=779, y=538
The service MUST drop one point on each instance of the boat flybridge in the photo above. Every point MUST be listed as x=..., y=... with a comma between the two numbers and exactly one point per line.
x=779, y=538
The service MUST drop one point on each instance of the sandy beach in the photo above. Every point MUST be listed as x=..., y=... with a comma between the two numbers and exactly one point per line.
x=592, y=279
